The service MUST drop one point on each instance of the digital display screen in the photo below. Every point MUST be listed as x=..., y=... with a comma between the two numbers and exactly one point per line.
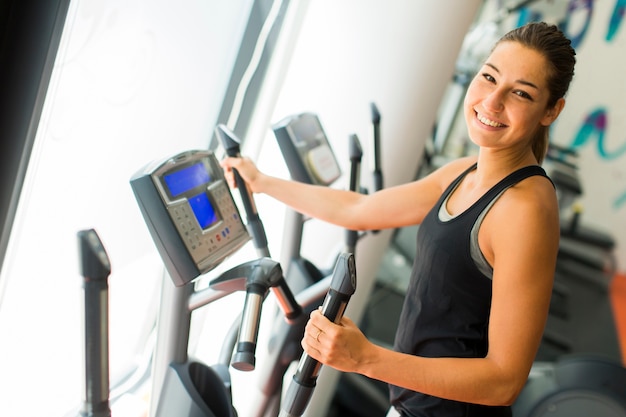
x=186, y=179
x=306, y=131
x=203, y=210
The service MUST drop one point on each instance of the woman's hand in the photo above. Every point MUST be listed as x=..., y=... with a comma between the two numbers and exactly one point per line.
x=341, y=346
x=247, y=170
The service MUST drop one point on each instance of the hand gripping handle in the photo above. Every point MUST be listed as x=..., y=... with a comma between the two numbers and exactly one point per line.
x=231, y=144
x=342, y=286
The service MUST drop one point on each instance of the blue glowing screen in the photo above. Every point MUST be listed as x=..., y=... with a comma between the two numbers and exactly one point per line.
x=190, y=178
x=186, y=179
x=203, y=210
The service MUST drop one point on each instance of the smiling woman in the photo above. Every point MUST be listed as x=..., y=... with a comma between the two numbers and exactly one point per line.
x=137, y=80
x=521, y=94
x=480, y=288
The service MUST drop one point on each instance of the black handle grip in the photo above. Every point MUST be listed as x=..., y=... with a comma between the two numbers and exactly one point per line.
x=378, y=175
x=232, y=146
x=356, y=155
x=95, y=268
x=342, y=286
x=94, y=261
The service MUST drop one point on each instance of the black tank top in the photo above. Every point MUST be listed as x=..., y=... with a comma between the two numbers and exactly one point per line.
x=446, y=308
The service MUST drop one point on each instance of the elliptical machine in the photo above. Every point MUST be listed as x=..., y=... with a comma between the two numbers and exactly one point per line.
x=196, y=225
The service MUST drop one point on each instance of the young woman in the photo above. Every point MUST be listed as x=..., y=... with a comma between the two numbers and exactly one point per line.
x=480, y=288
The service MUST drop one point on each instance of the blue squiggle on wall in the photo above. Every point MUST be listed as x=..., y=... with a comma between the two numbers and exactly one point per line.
x=616, y=19
x=620, y=201
x=527, y=15
x=595, y=126
x=575, y=7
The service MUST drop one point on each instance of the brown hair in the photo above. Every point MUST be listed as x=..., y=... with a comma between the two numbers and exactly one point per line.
x=561, y=57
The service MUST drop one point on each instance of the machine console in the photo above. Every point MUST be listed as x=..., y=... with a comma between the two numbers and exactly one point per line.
x=308, y=154
x=190, y=213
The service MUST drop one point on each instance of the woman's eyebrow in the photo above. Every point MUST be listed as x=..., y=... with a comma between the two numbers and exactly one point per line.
x=524, y=82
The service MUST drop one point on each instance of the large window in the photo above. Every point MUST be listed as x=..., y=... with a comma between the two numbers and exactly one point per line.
x=133, y=81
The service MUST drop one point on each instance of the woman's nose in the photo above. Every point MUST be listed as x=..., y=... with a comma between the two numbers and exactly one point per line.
x=494, y=101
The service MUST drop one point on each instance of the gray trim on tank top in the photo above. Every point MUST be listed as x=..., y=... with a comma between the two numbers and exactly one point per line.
x=477, y=255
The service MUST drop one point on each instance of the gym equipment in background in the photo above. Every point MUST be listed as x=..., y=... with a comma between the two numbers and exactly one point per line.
x=95, y=269
x=310, y=159
x=356, y=154
x=574, y=386
x=296, y=136
x=581, y=316
x=306, y=150
x=378, y=172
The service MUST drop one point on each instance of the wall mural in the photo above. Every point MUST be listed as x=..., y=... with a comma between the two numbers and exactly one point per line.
x=594, y=120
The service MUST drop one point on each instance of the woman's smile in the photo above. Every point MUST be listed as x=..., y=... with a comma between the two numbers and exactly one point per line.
x=486, y=121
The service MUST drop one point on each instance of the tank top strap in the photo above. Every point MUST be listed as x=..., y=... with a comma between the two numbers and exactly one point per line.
x=515, y=177
x=508, y=181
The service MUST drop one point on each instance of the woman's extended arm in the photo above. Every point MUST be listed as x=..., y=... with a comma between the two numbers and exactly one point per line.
x=398, y=206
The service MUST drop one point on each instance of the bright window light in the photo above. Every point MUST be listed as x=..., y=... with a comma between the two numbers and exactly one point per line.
x=134, y=81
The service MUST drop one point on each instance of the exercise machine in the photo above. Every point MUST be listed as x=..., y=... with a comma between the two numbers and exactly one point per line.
x=196, y=225
x=578, y=385
x=95, y=269
x=578, y=369
x=310, y=159
x=303, y=142
x=304, y=380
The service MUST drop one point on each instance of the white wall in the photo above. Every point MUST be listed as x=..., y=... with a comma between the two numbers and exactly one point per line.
x=599, y=84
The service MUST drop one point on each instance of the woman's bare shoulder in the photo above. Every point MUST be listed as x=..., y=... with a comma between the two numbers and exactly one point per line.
x=529, y=205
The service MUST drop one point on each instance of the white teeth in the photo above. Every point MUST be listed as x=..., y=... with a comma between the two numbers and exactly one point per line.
x=488, y=122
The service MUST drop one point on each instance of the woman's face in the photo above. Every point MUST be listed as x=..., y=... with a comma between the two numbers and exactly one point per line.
x=507, y=99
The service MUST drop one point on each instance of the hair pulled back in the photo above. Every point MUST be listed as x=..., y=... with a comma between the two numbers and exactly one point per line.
x=548, y=40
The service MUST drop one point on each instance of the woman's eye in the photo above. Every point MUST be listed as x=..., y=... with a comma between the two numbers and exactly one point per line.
x=489, y=78
x=523, y=94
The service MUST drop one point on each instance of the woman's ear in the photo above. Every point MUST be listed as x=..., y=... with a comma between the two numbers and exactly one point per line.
x=553, y=113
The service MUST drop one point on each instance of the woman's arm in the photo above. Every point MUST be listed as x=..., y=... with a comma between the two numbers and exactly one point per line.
x=520, y=236
x=392, y=207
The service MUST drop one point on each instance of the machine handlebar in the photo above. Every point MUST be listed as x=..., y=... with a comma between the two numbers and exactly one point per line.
x=256, y=278
x=95, y=269
x=232, y=146
x=342, y=286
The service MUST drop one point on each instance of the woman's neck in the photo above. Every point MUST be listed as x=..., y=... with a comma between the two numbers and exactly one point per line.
x=493, y=166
